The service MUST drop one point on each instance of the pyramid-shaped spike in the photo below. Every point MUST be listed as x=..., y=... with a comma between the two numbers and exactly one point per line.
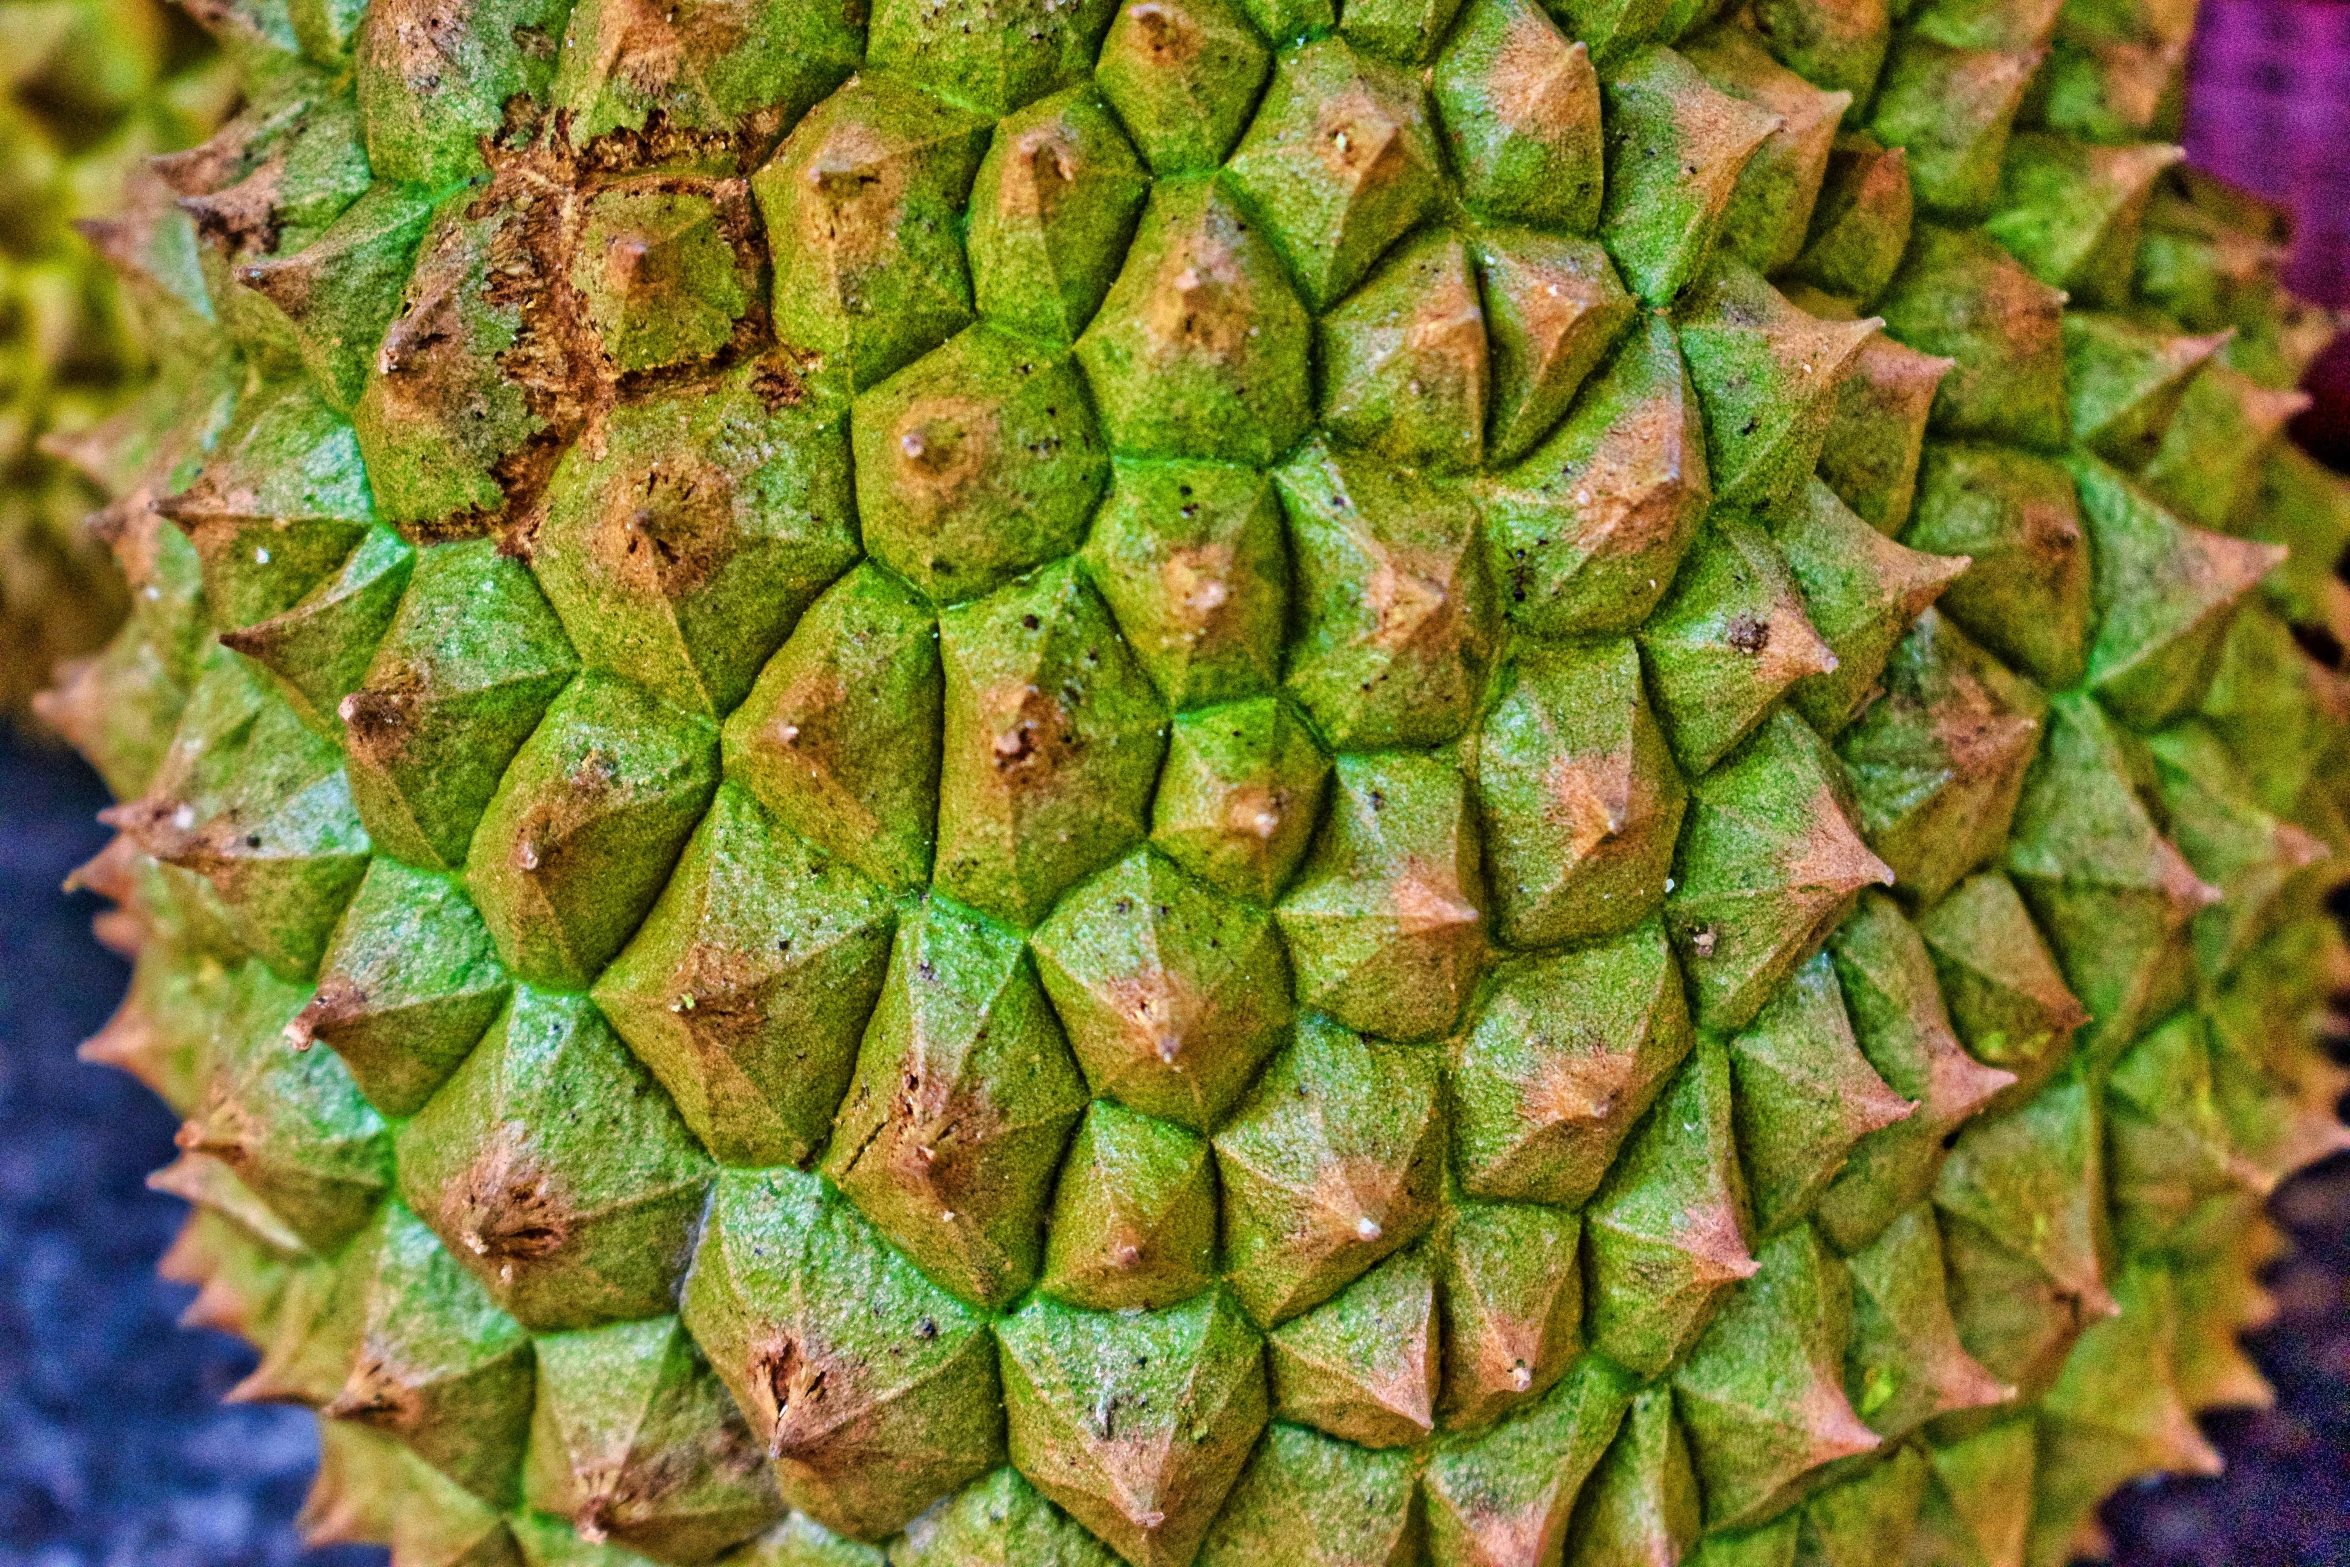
x=1520, y=104
x=2006, y=995
x=1513, y=1306
x=1861, y=591
x=1185, y=1391
x=2028, y=597
x=1860, y=224
x=319, y=647
x=1318, y=1502
x=2209, y=461
x=2024, y=1226
x=1404, y=360
x=1641, y=1504
x=1506, y=1494
x=2071, y=212
x=1878, y=432
x=1666, y=1233
x=1771, y=211
x=1904, y=1365
x=1769, y=864
x=1134, y=1217
x=1951, y=109
x=1899, y=1020
x=2252, y=856
x=2166, y=1141
x=1677, y=145
x=1553, y=309
x=1804, y=1095
x=1869, y=1518
x=2164, y=593
x=1767, y=375
x=1937, y=761
x=1959, y=296
x=2125, y=381
x=1363, y=1365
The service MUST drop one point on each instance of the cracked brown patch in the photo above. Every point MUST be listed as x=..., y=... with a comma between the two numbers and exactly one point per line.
x=505, y=1208
x=379, y=721
x=673, y=529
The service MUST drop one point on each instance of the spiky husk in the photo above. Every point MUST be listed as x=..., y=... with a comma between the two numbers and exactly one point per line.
x=91, y=88
x=1218, y=782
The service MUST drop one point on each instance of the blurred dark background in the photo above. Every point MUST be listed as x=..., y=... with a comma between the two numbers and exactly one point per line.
x=115, y=1450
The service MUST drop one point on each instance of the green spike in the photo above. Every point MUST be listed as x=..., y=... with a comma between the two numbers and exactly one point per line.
x=1762, y=1393
x=2301, y=504
x=1384, y=926
x=2253, y=857
x=259, y=807
x=2209, y=462
x=1553, y=307
x=1137, y=1423
x=1979, y=1507
x=441, y=1524
x=356, y=1493
x=410, y=981
x=2024, y=1230
x=1134, y=1217
x=1868, y=1519
x=999, y=1521
x=1057, y=197
x=1961, y=297
x=1239, y=796
x=1666, y=1233
x=1899, y=1021
x=1053, y=737
x=2002, y=984
x=2113, y=894
x=278, y=507
x=312, y=1335
x=683, y=548
x=2275, y=707
x=738, y=70
x=586, y=826
x=292, y=1127
x=1524, y=157
x=1331, y=1164
x=2164, y=593
x=1904, y=1364
x=1194, y=563
x=1837, y=45
x=1641, y=1506
x=1395, y=617
x=1315, y=1501
x=1173, y=994
x=1803, y=1095
x=1404, y=357
x=472, y=659
x=637, y=1444
x=1508, y=1493
x=2028, y=595
x=963, y=1101
x=438, y=1365
x=2071, y=212
x=552, y=1166
x=1200, y=349
x=839, y=736
x=1877, y=435
x=1338, y=162
x=1937, y=761
x=2125, y=381
x=1183, y=76
x=2113, y=1415
x=1771, y=212
x=320, y=646
x=1363, y=1365
x=663, y=276
x=1768, y=865
x=747, y=987
x=1585, y=534
x=1728, y=641
x=860, y=208
x=993, y=57
x=1861, y=592
x=1951, y=109
x=1860, y=223
x=1578, y=796
x=1676, y=148
x=1566, y=1057
x=874, y=1389
x=1513, y=1307
x=1767, y=375
x=974, y=464
x=2165, y=1137
x=430, y=134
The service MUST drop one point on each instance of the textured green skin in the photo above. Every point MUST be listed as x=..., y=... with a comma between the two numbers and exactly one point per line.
x=1273, y=861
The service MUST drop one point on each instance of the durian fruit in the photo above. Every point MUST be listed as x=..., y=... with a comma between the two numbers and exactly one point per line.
x=88, y=88
x=1217, y=781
